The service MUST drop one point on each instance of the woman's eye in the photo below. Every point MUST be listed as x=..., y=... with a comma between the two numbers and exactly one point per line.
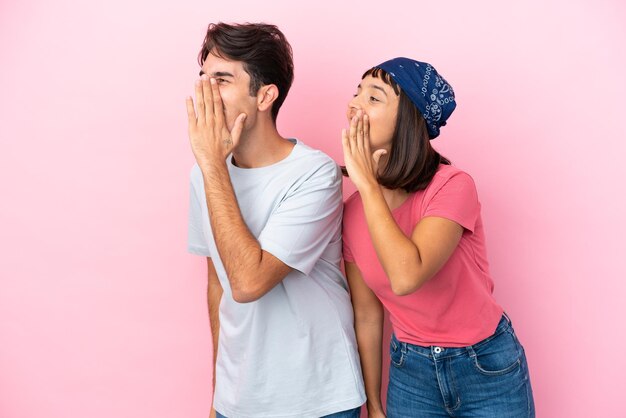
x=374, y=99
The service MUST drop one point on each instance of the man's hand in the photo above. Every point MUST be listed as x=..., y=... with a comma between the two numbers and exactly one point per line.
x=211, y=142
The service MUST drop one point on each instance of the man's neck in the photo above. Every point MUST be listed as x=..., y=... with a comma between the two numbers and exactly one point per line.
x=261, y=147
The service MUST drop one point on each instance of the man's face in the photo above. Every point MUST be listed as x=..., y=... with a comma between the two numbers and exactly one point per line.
x=234, y=85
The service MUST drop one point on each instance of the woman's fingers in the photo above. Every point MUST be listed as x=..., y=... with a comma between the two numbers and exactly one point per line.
x=359, y=132
x=345, y=141
x=352, y=135
x=376, y=156
x=366, y=134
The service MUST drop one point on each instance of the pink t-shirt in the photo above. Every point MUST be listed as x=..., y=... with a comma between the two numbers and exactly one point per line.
x=455, y=308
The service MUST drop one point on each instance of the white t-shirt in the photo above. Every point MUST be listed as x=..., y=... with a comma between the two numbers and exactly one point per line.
x=293, y=352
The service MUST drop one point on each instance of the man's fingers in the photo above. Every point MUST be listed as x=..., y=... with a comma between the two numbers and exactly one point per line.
x=191, y=112
x=200, y=101
x=238, y=128
x=218, y=107
x=208, y=99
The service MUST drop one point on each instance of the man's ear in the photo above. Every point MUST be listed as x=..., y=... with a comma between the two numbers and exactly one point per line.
x=266, y=97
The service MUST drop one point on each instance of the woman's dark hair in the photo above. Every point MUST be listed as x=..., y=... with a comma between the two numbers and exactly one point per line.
x=266, y=55
x=412, y=161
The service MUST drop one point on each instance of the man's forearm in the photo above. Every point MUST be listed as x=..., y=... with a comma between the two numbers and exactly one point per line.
x=244, y=260
x=239, y=250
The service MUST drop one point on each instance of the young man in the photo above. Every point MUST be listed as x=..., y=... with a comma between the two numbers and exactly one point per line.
x=266, y=211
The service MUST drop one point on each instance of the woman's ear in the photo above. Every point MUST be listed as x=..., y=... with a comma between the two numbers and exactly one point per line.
x=266, y=97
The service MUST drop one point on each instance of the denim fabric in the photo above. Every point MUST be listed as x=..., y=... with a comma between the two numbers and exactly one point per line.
x=488, y=379
x=351, y=413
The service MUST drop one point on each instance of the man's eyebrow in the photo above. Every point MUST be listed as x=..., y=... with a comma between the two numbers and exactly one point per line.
x=218, y=74
x=222, y=74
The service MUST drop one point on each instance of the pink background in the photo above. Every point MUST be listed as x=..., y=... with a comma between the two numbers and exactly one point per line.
x=102, y=311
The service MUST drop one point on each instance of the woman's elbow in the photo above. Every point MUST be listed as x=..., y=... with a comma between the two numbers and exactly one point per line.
x=403, y=286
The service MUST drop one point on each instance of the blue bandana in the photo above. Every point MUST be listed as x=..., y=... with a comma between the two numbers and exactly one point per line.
x=429, y=92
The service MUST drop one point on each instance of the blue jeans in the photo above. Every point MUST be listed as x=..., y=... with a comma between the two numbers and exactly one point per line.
x=352, y=413
x=488, y=379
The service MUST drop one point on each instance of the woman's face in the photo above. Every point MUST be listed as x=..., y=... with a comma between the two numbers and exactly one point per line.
x=379, y=102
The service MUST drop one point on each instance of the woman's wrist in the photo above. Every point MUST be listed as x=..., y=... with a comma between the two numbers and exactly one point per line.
x=374, y=407
x=369, y=189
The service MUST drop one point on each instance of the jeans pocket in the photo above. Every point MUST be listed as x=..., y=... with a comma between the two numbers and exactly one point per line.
x=498, y=356
x=396, y=354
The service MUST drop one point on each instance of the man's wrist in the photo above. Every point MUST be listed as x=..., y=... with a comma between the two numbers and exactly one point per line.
x=212, y=164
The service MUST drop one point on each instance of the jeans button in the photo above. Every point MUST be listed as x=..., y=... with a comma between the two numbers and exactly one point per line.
x=438, y=350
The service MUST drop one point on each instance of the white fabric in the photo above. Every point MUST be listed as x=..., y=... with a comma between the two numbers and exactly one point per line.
x=292, y=353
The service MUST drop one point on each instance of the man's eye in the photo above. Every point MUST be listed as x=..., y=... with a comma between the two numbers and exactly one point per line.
x=220, y=80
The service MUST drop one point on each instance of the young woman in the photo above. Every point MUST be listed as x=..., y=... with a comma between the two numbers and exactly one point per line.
x=414, y=243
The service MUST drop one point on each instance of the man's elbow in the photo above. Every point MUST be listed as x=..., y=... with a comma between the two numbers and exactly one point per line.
x=246, y=291
x=241, y=294
x=249, y=287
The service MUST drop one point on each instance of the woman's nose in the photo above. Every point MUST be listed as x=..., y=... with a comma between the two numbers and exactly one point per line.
x=353, y=107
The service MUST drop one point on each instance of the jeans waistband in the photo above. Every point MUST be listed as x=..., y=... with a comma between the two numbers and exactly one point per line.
x=442, y=352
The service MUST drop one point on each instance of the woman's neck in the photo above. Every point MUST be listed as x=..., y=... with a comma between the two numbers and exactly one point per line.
x=395, y=197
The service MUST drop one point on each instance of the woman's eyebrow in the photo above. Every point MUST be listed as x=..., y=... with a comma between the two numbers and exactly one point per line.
x=373, y=86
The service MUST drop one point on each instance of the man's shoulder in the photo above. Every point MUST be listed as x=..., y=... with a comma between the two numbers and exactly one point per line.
x=313, y=156
x=314, y=161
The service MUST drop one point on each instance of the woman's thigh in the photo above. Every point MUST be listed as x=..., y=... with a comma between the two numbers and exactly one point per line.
x=493, y=380
x=489, y=379
x=413, y=389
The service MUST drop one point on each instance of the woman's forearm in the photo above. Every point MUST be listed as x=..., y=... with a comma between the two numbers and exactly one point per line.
x=398, y=255
x=369, y=336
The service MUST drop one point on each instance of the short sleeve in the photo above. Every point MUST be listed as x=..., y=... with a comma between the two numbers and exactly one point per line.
x=196, y=238
x=348, y=213
x=304, y=223
x=347, y=253
x=456, y=200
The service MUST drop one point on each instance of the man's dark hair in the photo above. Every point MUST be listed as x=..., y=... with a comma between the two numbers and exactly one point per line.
x=266, y=55
x=412, y=161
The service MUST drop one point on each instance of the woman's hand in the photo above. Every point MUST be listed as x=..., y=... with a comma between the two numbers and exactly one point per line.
x=361, y=163
x=376, y=414
x=210, y=139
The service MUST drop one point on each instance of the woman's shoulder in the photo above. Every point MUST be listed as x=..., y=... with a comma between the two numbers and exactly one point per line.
x=447, y=172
